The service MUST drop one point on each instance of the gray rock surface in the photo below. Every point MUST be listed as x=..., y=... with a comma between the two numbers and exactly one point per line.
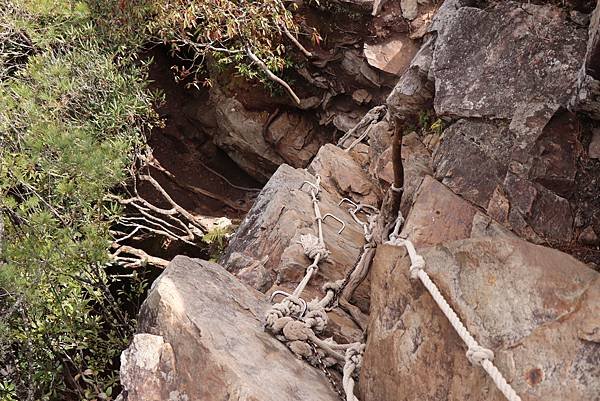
x=201, y=338
x=523, y=187
x=414, y=91
x=538, y=309
x=473, y=158
x=533, y=60
x=587, y=96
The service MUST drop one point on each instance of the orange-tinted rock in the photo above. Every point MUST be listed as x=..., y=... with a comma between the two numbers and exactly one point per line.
x=538, y=309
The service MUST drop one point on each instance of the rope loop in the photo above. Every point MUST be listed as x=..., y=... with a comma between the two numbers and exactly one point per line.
x=354, y=355
x=417, y=264
x=477, y=354
x=316, y=319
x=313, y=247
x=395, y=189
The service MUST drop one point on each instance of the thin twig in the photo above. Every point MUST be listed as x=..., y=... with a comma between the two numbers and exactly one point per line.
x=295, y=41
x=272, y=76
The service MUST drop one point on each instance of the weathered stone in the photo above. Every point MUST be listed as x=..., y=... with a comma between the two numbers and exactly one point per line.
x=554, y=156
x=283, y=211
x=341, y=174
x=357, y=67
x=532, y=60
x=393, y=56
x=409, y=9
x=589, y=237
x=240, y=136
x=296, y=139
x=472, y=158
x=148, y=369
x=587, y=96
x=380, y=138
x=290, y=138
x=594, y=148
x=531, y=211
x=203, y=340
x=414, y=90
x=437, y=215
x=361, y=96
x=538, y=309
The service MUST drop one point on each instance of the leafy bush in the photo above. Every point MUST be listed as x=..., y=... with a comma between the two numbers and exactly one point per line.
x=72, y=112
x=195, y=30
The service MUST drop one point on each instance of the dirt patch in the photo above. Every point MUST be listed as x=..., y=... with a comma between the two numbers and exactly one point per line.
x=204, y=179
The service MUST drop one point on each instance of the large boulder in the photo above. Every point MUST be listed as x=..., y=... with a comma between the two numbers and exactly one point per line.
x=437, y=215
x=523, y=187
x=265, y=251
x=533, y=60
x=201, y=338
x=259, y=143
x=472, y=158
x=538, y=309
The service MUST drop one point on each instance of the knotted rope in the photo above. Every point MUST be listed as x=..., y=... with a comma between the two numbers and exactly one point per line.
x=295, y=322
x=353, y=362
x=476, y=354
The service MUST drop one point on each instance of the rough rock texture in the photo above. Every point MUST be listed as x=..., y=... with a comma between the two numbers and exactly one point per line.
x=538, y=309
x=437, y=215
x=473, y=158
x=587, y=97
x=283, y=211
x=524, y=187
x=520, y=161
x=239, y=134
x=414, y=91
x=202, y=339
x=290, y=138
x=533, y=60
x=392, y=56
x=342, y=174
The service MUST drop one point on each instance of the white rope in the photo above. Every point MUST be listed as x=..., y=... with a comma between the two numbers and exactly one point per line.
x=295, y=322
x=353, y=361
x=476, y=354
x=396, y=189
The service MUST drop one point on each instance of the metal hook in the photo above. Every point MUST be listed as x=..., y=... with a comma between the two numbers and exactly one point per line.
x=287, y=295
x=315, y=186
x=336, y=218
x=350, y=201
x=364, y=206
x=355, y=217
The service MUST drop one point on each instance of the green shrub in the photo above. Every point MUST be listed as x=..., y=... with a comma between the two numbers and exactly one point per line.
x=72, y=112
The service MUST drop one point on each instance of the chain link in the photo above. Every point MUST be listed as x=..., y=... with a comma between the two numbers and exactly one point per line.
x=325, y=370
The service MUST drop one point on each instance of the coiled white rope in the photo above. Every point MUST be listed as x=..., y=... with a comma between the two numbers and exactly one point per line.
x=476, y=354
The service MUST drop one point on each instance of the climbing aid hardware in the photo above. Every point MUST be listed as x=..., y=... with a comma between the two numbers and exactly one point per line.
x=476, y=354
x=296, y=322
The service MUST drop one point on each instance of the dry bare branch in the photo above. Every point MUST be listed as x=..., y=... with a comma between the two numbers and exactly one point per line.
x=272, y=76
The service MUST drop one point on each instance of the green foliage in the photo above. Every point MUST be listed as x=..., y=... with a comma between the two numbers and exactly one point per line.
x=72, y=112
x=217, y=239
x=199, y=29
x=428, y=123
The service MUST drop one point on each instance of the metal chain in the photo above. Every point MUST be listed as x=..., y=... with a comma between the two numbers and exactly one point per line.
x=325, y=370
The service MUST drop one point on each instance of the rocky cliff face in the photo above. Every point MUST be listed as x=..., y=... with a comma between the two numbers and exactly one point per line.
x=501, y=197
